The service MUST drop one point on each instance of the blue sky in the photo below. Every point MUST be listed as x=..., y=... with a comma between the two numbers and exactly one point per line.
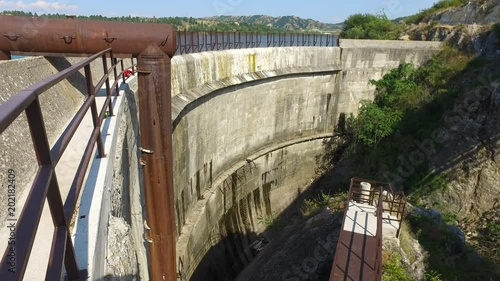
x=323, y=10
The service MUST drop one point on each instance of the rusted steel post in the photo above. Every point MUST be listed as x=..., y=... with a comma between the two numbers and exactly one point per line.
x=154, y=70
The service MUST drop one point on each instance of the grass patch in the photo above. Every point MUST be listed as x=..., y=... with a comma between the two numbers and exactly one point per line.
x=494, y=228
x=432, y=276
x=272, y=223
x=405, y=241
x=392, y=269
x=450, y=218
x=315, y=205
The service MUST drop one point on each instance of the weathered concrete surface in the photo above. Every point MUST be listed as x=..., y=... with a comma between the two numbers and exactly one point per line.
x=236, y=123
x=196, y=70
x=121, y=257
x=233, y=108
x=365, y=60
x=58, y=104
x=230, y=216
x=127, y=203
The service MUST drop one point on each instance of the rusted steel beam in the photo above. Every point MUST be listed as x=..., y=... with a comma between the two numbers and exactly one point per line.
x=42, y=35
x=154, y=68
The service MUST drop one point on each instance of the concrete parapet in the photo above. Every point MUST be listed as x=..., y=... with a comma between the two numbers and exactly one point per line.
x=194, y=70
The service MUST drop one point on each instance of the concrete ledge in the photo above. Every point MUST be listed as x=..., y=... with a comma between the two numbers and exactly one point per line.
x=388, y=44
x=194, y=70
x=90, y=232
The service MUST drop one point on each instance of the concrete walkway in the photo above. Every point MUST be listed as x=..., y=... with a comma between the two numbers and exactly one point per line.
x=65, y=171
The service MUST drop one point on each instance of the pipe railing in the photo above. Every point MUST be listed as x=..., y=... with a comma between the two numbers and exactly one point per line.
x=362, y=196
x=195, y=42
x=391, y=199
x=377, y=188
x=45, y=185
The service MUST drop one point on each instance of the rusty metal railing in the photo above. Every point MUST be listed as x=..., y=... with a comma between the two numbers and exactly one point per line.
x=362, y=196
x=380, y=196
x=194, y=42
x=396, y=206
x=45, y=185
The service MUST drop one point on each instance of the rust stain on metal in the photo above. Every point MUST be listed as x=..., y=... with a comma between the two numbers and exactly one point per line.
x=154, y=69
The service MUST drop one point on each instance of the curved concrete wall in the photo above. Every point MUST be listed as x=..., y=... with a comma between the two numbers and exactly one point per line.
x=239, y=127
x=238, y=108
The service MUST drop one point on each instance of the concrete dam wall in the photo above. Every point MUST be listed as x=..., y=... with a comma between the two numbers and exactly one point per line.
x=248, y=125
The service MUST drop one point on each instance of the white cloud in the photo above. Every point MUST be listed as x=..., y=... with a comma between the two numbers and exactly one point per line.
x=38, y=5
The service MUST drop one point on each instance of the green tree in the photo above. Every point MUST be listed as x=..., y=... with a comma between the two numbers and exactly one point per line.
x=398, y=88
x=368, y=26
x=374, y=123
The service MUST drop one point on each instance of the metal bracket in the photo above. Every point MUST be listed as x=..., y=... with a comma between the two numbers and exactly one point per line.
x=148, y=238
x=109, y=40
x=12, y=37
x=163, y=43
x=143, y=70
x=67, y=39
x=147, y=151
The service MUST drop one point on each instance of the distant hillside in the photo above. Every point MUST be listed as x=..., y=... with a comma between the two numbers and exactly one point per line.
x=223, y=23
x=289, y=23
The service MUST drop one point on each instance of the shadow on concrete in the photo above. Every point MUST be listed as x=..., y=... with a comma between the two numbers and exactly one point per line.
x=123, y=209
x=292, y=248
x=77, y=80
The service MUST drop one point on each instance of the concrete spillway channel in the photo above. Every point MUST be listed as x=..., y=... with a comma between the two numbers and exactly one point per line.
x=246, y=135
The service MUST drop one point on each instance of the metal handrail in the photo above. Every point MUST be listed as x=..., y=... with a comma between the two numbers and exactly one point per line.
x=45, y=185
x=195, y=42
x=377, y=188
x=400, y=211
x=349, y=198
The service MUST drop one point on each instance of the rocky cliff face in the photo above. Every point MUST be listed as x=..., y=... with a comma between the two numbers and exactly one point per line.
x=469, y=158
x=468, y=26
x=473, y=38
x=474, y=12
